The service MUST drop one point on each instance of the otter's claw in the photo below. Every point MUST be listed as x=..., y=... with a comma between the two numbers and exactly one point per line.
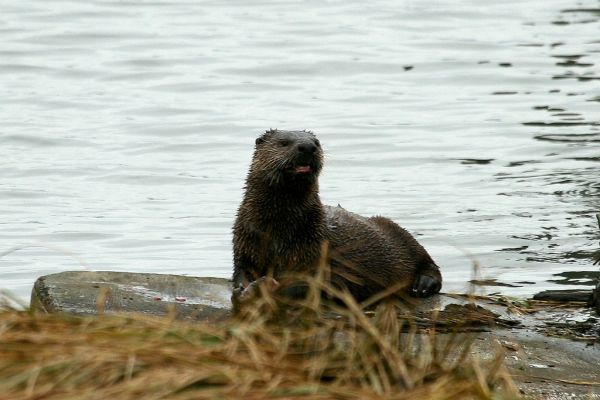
x=425, y=286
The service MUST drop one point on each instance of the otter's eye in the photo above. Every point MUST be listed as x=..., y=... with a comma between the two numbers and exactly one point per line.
x=317, y=143
x=285, y=142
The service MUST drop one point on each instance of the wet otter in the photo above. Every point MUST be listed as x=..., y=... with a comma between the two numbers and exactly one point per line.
x=281, y=226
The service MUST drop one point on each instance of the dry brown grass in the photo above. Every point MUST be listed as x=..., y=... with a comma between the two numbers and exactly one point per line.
x=316, y=351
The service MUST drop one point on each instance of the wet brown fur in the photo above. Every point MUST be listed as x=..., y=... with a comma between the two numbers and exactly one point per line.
x=282, y=225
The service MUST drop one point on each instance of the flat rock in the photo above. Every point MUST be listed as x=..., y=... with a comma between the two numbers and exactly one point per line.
x=584, y=296
x=93, y=292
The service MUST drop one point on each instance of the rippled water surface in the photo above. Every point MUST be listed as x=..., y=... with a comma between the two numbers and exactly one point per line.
x=126, y=129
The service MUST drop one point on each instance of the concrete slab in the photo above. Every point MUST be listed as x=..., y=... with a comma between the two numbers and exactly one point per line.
x=93, y=292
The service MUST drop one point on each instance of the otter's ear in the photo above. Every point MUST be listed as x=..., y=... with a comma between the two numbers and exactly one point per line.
x=263, y=138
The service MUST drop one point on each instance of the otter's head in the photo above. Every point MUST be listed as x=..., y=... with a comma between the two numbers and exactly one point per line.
x=287, y=157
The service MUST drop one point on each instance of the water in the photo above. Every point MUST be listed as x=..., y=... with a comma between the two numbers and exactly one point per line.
x=127, y=128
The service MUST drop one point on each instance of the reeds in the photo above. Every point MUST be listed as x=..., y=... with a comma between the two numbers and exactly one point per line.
x=275, y=349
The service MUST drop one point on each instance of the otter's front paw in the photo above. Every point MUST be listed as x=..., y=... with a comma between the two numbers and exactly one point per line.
x=243, y=294
x=425, y=286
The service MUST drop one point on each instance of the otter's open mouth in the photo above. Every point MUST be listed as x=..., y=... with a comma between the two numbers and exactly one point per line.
x=303, y=169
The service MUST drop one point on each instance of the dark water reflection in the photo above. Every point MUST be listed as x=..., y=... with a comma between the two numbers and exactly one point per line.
x=126, y=129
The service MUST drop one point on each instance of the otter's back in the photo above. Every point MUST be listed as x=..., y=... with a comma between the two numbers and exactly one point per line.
x=368, y=254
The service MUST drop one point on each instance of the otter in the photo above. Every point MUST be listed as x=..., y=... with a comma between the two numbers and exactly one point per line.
x=282, y=226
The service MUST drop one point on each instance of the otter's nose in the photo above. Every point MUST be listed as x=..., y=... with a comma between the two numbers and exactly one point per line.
x=307, y=148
